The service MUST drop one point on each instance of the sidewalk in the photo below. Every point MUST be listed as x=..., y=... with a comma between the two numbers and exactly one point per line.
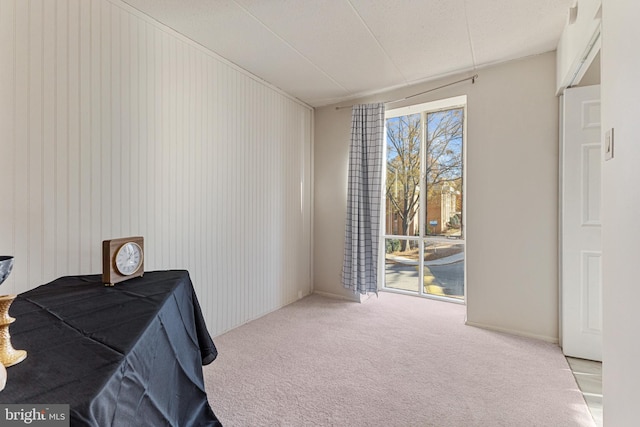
x=442, y=261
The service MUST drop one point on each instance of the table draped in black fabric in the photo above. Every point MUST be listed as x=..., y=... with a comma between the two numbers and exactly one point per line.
x=128, y=355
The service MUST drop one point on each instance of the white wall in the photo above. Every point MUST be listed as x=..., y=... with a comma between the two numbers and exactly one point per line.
x=621, y=208
x=113, y=125
x=512, y=191
x=331, y=163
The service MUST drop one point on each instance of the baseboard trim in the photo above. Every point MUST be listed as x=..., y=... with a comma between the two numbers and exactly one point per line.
x=336, y=296
x=552, y=340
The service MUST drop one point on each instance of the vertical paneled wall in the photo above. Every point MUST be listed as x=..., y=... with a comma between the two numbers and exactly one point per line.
x=113, y=125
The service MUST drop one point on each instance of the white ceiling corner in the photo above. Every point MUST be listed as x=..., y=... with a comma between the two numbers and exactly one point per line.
x=326, y=51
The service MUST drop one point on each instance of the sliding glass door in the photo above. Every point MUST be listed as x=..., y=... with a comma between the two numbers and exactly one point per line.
x=424, y=200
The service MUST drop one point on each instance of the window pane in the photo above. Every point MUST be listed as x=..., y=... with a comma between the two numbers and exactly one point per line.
x=444, y=269
x=401, y=264
x=403, y=175
x=443, y=171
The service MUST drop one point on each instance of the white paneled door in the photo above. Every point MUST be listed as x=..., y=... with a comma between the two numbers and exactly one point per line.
x=580, y=239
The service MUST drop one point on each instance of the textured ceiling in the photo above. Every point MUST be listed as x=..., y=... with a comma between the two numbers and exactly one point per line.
x=326, y=51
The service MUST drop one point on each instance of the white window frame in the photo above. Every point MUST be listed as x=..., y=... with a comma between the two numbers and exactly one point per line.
x=424, y=108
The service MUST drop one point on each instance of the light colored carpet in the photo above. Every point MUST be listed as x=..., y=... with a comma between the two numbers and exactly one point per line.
x=391, y=361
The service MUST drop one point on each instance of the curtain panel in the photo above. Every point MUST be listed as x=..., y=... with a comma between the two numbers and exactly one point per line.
x=362, y=232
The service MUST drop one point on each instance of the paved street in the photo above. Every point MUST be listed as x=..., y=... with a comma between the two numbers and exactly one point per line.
x=448, y=277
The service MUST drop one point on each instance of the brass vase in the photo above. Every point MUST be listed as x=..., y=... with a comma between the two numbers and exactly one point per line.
x=8, y=355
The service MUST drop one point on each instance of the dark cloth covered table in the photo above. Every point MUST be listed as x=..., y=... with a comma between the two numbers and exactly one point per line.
x=128, y=355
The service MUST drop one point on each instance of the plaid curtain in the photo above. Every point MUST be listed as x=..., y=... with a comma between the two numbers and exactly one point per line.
x=360, y=268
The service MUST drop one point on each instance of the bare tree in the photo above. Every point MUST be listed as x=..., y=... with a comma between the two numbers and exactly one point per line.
x=403, y=169
x=444, y=147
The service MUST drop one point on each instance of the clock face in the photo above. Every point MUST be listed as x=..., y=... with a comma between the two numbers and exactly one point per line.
x=129, y=258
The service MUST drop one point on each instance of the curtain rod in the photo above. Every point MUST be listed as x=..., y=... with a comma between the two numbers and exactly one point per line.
x=472, y=78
